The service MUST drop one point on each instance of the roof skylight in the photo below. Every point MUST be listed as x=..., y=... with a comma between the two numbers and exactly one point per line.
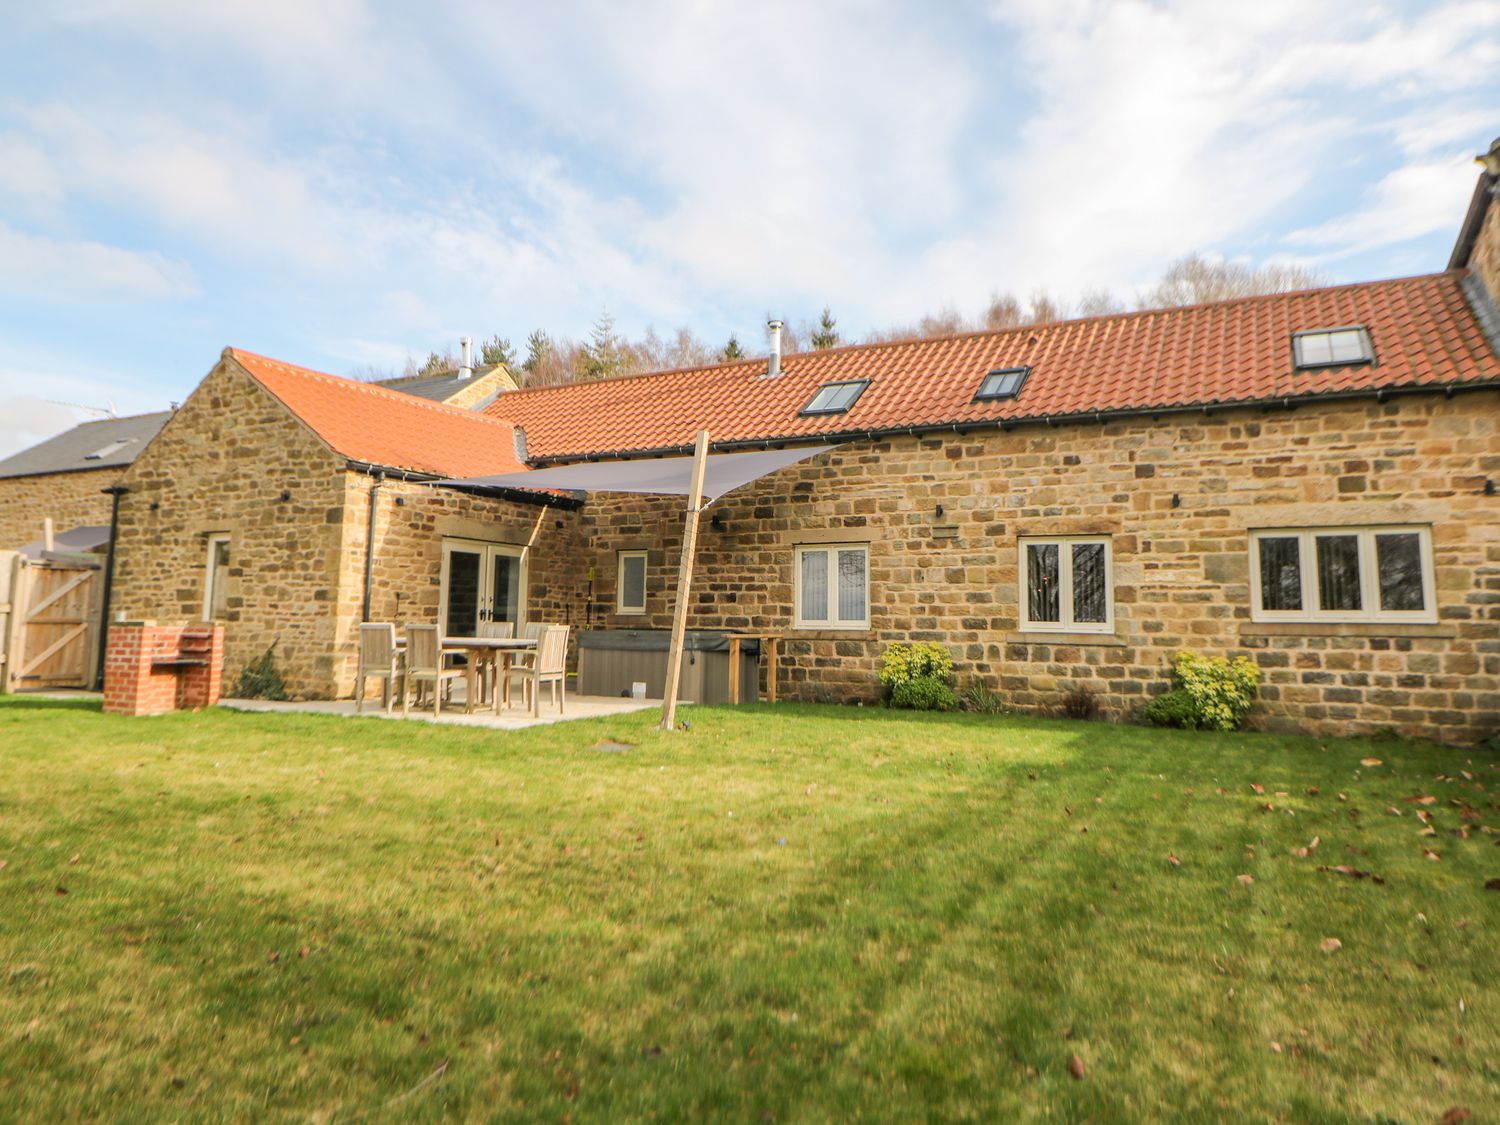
x=1333, y=347
x=1003, y=382
x=836, y=398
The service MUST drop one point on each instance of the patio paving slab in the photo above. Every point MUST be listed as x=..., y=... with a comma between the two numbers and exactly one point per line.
x=579, y=707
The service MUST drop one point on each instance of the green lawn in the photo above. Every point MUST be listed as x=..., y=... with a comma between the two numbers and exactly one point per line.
x=788, y=914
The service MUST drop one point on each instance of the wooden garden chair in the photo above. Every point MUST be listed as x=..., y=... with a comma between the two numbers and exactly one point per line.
x=377, y=657
x=424, y=665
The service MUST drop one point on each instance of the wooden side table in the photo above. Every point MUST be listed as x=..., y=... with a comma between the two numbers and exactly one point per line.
x=772, y=644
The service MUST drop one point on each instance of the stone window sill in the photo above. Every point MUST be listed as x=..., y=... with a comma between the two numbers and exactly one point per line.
x=1344, y=629
x=1042, y=637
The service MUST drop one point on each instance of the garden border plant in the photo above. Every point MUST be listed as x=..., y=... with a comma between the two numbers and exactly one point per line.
x=918, y=675
x=1210, y=693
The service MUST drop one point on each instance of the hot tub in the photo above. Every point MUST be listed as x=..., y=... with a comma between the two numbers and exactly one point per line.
x=610, y=660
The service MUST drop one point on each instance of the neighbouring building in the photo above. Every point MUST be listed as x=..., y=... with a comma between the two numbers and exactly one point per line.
x=1309, y=479
x=63, y=478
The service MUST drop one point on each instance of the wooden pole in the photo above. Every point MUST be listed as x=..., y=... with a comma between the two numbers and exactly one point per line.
x=47, y=540
x=684, y=584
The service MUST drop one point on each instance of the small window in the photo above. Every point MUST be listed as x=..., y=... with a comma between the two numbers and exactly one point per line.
x=216, y=578
x=1067, y=585
x=833, y=587
x=1003, y=382
x=630, y=585
x=1342, y=574
x=1333, y=347
x=836, y=398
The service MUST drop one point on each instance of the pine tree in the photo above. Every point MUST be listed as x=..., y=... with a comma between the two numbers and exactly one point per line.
x=603, y=356
x=497, y=349
x=827, y=334
x=538, y=348
x=732, y=350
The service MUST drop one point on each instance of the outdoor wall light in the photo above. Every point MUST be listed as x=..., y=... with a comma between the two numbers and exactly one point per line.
x=1489, y=486
x=1176, y=500
x=401, y=501
x=286, y=494
x=939, y=510
x=717, y=522
x=156, y=505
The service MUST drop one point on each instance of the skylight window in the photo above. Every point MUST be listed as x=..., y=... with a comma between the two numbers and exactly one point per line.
x=836, y=398
x=112, y=447
x=1333, y=347
x=1003, y=382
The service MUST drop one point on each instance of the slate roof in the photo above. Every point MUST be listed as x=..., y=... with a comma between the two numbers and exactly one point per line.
x=108, y=443
x=372, y=424
x=1425, y=332
x=436, y=388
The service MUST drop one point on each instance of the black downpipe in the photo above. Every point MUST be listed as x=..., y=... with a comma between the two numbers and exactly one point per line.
x=370, y=545
x=115, y=492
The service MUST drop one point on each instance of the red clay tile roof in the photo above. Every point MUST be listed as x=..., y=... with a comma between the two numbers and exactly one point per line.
x=1423, y=328
x=367, y=423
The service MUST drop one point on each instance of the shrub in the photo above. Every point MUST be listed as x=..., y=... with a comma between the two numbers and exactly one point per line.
x=982, y=699
x=919, y=675
x=1079, y=702
x=1173, y=709
x=261, y=678
x=925, y=693
x=1214, y=693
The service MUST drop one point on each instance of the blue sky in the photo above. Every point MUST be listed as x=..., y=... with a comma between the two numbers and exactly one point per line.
x=344, y=183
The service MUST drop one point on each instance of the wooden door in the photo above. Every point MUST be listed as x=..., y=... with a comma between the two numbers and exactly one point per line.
x=54, y=627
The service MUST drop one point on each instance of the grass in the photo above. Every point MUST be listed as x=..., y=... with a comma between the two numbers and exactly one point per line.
x=788, y=914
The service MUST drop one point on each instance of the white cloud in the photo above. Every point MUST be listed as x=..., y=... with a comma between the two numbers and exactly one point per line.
x=38, y=266
x=1411, y=201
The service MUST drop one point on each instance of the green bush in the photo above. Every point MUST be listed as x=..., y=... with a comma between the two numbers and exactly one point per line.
x=925, y=693
x=918, y=675
x=1173, y=709
x=261, y=678
x=1211, y=693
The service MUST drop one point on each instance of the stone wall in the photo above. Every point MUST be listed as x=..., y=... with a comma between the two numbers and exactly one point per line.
x=1181, y=569
x=412, y=522
x=234, y=460
x=71, y=499
x=1484, y=260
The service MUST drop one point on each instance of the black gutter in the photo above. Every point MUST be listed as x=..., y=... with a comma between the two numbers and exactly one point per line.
x=114, y=491
x=1099, y=417
x=379, y=478
x=500, y=492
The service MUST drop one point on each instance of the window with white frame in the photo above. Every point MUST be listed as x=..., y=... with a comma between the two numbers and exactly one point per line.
x=1342, y=574
x=1067, y=584
x=630, y=583
x=1333, y=347
x=216, y=578
x=833, y=586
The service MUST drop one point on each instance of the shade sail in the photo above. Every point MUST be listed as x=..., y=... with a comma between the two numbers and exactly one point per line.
x=665, y=476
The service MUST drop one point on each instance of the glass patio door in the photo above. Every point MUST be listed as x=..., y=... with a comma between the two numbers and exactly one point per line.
x=480, y=582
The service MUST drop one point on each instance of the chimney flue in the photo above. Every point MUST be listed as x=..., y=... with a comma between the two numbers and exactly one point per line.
x=773, y=368
x=466, y=365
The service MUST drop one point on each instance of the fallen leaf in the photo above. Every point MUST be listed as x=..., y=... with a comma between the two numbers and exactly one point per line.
x=1275, y=1046
x=1370, y=762
x=73, y=862
x=1454, y=1116
x=1343, y=797
x=1313, y=790
x=1394, y=811
x=1075, y=1067
x=304, y=951
x=1245, y=880
x=275, y=956
x=1301, y=853
x=1175, y=862
x=1429, y=831
x=1330, y=945
x=1424, y=816
x=2, y=864
x=1257, y=788
x=1428, y=853
x=62, y=890
x=1492, y=884
x=1420, y=799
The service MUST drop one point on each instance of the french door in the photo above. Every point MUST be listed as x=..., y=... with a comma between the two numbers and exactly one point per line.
x=481, y=582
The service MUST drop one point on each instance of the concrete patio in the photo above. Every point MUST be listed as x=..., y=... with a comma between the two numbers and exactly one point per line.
x=514, y=718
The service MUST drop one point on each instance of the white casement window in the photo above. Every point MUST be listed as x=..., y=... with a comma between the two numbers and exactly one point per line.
x=216, y=578
x=630, y=582
x=1067, y=585
x=833, y=586
x=1342, y=574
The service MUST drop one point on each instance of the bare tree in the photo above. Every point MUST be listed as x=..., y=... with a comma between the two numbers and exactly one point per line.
x=1195, y=280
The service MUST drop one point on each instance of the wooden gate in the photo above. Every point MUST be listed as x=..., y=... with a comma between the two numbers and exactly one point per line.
x=53, y=627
